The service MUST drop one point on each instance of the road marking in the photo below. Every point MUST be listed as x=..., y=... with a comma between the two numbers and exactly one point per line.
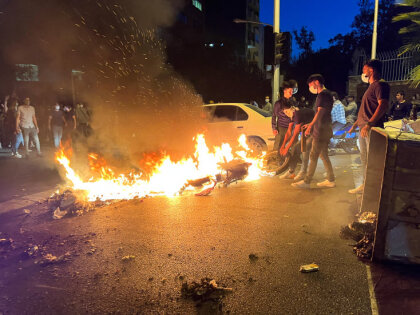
x=373, y=303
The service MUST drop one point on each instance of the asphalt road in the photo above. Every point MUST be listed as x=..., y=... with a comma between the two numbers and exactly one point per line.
x=188, y=238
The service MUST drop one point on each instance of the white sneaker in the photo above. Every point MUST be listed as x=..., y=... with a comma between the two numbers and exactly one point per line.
x=287, y=175
x=326, y=184
x=301, y=185
x=18, y=156
x=300, y=176
x=357, y=190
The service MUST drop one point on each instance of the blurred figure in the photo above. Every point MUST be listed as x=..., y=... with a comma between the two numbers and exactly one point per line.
x=338, y=115
x=83, y=119
x=268, y=107
x=303, y=103
x=56, y=123
x=351, y=110
x=70, y=126
x=15, y=139
x=27, y=124
x=401, y=109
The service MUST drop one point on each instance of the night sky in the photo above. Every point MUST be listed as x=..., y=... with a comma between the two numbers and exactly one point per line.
x=325, y=18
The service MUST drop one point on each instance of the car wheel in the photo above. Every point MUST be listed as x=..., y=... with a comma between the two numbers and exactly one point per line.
x=257, y=145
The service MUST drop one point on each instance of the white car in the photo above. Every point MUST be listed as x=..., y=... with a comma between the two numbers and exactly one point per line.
x=228, y=120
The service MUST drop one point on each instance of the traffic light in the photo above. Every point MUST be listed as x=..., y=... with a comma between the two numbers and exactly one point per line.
x=282, y=47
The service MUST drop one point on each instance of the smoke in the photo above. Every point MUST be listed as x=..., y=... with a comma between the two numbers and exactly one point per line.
x=138, y=103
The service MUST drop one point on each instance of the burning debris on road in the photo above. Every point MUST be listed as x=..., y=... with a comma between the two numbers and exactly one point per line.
x=363, y=232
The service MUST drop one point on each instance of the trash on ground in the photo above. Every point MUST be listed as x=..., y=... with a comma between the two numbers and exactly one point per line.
x=309, y=268
x=206, y=191
x=363, y=232
x=50, y=259
x=128, y=257
x=207, y=290
x=26, y=211
x=253, y=257
x=58, y=214
x=32, y=251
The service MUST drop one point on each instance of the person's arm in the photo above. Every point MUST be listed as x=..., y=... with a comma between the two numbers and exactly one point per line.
x=35, y=122
x=64, y=120
x=286, y=137
x=379, y=112
x=294, y=137
x=18, y=122
x=74, y=121
x=321, y=111
x=274, y=120
x=6, y=99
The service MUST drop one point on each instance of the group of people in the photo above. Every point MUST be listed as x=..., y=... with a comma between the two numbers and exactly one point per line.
x=20, y=125
x=305, y=132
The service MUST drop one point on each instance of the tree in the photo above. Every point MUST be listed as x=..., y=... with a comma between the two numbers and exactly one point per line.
x=304, y=40
x=413, y=32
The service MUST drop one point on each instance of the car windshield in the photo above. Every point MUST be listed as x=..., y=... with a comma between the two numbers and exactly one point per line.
x=259, y=110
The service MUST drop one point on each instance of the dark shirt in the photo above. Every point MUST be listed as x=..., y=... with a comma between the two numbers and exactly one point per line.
x=57, y=118
x=69, y=118
x=303, y=116
x=323, y=127
x=401, y=110
x=279, y=118
x=378, y=90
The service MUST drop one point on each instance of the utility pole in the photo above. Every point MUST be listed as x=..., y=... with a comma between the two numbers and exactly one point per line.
x=375, y=30
x=276, y=75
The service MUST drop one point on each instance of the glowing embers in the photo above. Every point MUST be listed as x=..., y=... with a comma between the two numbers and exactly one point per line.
x=166, y=177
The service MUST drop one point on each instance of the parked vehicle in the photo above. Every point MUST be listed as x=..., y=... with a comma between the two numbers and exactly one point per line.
x=229, y=120
x=342, y=140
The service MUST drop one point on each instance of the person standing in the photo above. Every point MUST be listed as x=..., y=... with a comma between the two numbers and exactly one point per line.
x=16, y=139
x=56, y=122
x=401, y=109
x=268, y=107
x=279, y=121
x=321, y=130
x=83, y=119
x=372, y=111
x=27, y=124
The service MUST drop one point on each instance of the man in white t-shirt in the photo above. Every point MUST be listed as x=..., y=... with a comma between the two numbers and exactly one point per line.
x=27, y=124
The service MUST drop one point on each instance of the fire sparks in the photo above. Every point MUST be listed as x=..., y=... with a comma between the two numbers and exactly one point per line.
x=167, y=177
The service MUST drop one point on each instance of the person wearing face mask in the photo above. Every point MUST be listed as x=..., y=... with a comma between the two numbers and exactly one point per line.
x=268, y=107
x=320, y=128
x=280, y=121
x=56, y=122
x=70, y=127
x=372, y=111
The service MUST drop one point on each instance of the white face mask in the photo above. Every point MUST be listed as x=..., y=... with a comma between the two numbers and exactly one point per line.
x=313, y=90
x=57, y=107
x=295, y=90
x=364, y=78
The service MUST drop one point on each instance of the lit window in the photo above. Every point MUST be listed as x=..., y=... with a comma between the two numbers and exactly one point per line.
x=26, y=72
x=197, y=4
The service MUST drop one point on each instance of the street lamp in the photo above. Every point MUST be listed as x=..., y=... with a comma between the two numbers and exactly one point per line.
x=375, y=30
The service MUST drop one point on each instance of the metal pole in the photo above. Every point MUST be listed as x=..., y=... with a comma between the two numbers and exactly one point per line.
x=276, y=75
x=375, y=30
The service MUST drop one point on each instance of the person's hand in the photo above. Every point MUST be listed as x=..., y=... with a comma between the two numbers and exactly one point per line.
x=389, y=118
x=18, y=130
x=275, y=132
x=37, y=130
x=308, y=129
x=351, y=129
x=365, y=131
x=283, y=151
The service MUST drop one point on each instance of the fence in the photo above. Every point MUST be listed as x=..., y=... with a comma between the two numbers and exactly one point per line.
x=395, y=67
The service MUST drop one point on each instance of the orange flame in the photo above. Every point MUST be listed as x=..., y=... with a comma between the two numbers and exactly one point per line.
x=164, y=176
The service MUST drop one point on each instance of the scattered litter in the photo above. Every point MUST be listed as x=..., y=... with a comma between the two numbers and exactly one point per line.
x=363, y=232
x=58, y=214
x=206, y=191
x=50, y=259
x=253, y=257
x=309, y=268
x=128, y=257
x=27, y=211
x=207, y=290
x=6, y=241
x=32, y=251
